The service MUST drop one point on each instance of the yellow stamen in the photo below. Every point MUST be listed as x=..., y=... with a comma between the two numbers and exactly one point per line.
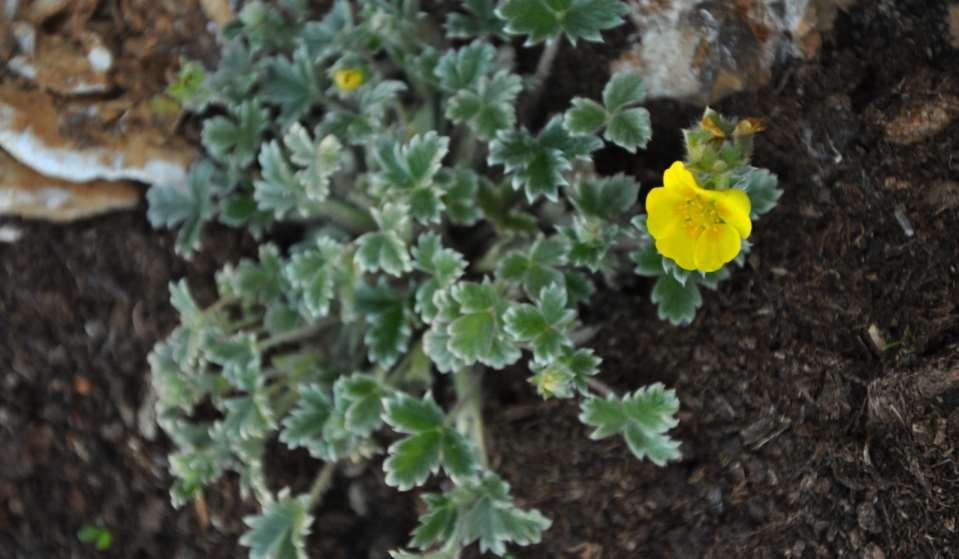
x=348, y=79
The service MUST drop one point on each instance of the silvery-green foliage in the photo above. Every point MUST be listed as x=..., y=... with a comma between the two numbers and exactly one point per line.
x=442, y=232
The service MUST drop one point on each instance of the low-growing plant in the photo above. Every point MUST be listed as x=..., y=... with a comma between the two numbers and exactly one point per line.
x=441, y=234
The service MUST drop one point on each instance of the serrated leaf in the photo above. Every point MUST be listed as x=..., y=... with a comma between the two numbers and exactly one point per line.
x=629, y=129
x=318, y=160
x=321, y=38
x=410, y=415
x=189, y=209
x=648, y=260
x=606, y=198
x=489, y=107
x=487, y=514
x=437, y=524
x=303, y=427
x=674, y=301
x=436, y=345
x=280, y=531
x=543, y=326
x=239, y=358
x=263, y=25
x=443, y=264
x=429, y=446
x=412, y=460
x=476, y=332
x=624, y=88
x=291, y=84
x=278, y=191
x=536, y=165
x=538, y=267
x=763, y=190
x=359, y=398
x=407, y=173
x=388, y=328
x=548, y=19
x=247, y=417
x=237, y=138
x=460, y=187
x=462, y=69
x=236, y=73
x=479, y=21
x=642, y=417
x=312, y=273
x=585, y=117
x=384, y=251
x=561, y=376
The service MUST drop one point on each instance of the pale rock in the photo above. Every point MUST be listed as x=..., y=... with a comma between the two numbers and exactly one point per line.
x=26, y=193
x=62, y=66
x=83, y=141
x=218, y=11
x=10, y=234
x=702, y=51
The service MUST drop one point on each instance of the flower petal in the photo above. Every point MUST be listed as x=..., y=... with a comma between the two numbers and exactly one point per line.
x=662, y=214
x=679, y=177
x=734, y=207
x=680, y=248
x=717, y=247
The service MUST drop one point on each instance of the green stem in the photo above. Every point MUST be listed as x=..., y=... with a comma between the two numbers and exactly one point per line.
x=543, y=69
x=293, y=335
x=346, y=215
x=470, y=400
x=322, y=484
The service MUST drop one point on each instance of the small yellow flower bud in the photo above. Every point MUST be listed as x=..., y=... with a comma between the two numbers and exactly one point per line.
x=348, y=79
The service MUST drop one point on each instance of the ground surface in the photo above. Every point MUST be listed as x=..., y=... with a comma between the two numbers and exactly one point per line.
x=800, y=437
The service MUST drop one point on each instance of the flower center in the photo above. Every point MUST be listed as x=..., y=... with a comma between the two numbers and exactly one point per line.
x=700, y=216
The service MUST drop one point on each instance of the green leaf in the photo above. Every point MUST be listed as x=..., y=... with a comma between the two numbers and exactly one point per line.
x=407, y=173
x=388, y=327
x=479, y=21
x=538, y=267
x=279, y=191
x=629, y=129
x=170, y=206
x=359, y=398
x=237, y=138
x=606, y=198
x=280, y=531
x=101, y=538
x=322, y=39
x=547, y=19
x=561, y=376
x=430, y=445
x=443, y=264
x=543, y=326
x=292, y=84
x=263, y=25
x=189, y=89
x=437, y=525
x=236, y=73
x=642, y=417
x=247, y=417
x=413, y=459
x=585, y=117
x=488, y=107
x=436, y=345
x=239, y=359
x=462, y=69
x=536, y=165
x=303, y=427
x=476, y=331
x=410, y=415
x=676, y=302
x=460, y=187
x=487, y=514
x=312, y=273
x=385, y=249
x=623, y=89
x=318, y=161
x=649, y=262
x=763, y=190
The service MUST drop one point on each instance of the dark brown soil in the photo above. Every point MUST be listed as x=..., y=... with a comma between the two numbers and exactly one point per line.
x=801, y=437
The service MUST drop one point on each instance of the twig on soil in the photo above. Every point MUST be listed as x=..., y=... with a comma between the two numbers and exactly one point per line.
x=601, y=387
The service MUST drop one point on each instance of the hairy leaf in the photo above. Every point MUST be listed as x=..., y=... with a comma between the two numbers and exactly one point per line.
x=548, y=19
x=676, y=302
x=280, y=531
x=189, y=209
x=642, y=417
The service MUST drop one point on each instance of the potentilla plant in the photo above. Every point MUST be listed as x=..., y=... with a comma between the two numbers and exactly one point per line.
x=444, y=238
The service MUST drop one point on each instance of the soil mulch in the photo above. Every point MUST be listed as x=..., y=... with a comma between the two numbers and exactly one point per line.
x=819, y=387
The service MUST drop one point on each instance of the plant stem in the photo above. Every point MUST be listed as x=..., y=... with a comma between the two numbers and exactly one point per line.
x=543, y=69
x=346, y=215
x=322, y=484
x=470, y=418
x=292, y=335
x=600, y=386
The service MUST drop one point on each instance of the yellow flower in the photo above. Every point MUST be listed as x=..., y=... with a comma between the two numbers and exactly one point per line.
x=699, y=229
x=348, y=79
